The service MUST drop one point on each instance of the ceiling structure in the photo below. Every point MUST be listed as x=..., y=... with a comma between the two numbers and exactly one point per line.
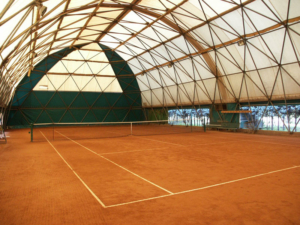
x=97, y=75
x=182, y=52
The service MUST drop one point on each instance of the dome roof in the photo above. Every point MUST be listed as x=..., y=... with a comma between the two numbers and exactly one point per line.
x=182, y=52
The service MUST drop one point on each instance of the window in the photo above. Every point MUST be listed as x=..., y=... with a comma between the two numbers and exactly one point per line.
x=195, y=117
x=276, y=118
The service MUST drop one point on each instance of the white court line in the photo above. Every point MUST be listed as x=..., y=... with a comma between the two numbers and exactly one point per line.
x=118, y=165
x=87, y=187
x=158, y=141
x=150, y=149
x=188, y=145
x=142, y=200
x=206, y=187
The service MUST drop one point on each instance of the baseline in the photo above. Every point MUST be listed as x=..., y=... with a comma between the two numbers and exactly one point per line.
x=202, y=188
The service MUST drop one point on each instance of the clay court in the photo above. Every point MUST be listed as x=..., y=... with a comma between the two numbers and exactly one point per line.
x=187, y=178
x=150, y=112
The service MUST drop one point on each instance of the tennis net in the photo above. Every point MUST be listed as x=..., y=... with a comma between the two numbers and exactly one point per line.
x=63, y=131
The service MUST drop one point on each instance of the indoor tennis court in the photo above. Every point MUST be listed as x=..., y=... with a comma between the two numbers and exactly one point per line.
x=128, y=180
x=149, y=112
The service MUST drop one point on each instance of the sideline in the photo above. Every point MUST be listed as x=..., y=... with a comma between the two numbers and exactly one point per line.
x=87, y=187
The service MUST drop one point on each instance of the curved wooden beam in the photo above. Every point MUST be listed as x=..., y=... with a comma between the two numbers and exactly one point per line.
x=210, y=62
x=147, y=10
x=186, y=33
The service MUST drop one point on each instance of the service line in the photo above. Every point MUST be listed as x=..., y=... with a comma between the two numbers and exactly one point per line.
x=144, y=179
x=149, y=149
x=86, y=186
x=158, y=141
x=215, y=143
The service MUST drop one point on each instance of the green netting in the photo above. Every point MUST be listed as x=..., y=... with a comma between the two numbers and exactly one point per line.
x=31, y=101
x=90, y=117
x=68, y=118
x=44, y=97
x=100, y=114
x=135, y=114
x=105, y=100
x=91, y=97
x=31, y=114
x=157, y=114
x=43, y=118
x=218, y=116
x=28, y=83
x=232, y=117
x=79, y=114
x=18, y=120
x=55, y=101
x=120, y=101
x=68, y=97
x=56, y=114
x=79, y=102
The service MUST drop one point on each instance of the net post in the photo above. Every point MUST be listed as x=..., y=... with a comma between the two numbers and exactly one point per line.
x=191, y=124
x=31, y=132
x=131, y=128
x=204, y=126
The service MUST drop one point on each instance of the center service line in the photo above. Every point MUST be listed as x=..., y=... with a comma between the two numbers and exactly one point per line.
x=118, y=165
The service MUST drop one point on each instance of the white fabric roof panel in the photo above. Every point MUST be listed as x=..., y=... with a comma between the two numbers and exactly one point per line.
x=78, y=83
x=198, y=39
x=75, y=73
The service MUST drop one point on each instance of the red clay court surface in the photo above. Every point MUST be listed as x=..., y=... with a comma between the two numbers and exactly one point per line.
x=188, y=178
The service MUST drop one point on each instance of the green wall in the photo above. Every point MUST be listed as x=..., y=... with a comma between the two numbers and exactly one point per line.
x=217, y=116
x=30, y=106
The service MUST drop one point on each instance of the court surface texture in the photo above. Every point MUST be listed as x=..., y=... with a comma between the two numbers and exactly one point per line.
x=190, y=178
